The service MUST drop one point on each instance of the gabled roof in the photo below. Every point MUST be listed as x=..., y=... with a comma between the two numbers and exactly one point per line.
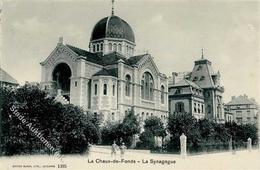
x=135, y=59
x=185, y=82
x=7, y=78
x=107, y=72
x=239, y=100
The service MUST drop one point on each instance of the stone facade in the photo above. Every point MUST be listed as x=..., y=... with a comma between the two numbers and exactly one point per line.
x=110, y=82
x=243, y=109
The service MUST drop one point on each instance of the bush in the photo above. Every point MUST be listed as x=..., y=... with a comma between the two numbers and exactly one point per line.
x=125, y=131
x=65, y=127
x=183, y=123
x=153, y=126
x=206, y=136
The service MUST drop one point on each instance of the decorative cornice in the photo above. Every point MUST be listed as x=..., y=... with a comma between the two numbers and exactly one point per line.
x=54, y=56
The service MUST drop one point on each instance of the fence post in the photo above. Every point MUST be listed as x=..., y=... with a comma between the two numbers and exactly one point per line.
x=183, y=142
x=230, y=144
x=249, y=144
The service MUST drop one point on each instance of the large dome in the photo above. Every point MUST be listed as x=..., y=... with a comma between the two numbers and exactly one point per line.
x=112, y=27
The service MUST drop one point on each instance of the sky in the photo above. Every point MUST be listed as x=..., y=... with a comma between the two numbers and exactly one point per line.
x=173, y=32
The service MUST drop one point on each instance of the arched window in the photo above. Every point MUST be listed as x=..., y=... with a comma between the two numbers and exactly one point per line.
x=147, y=86
x=142, y=89
x=96, y=89
x=113, y=116
x=110, y=47
x=105, y=89
x=114, y=91
x=114, y=47
x=119, y=47
x=179, y=107
x=101, y=47
x=162, y=94
x=151, y=90
x=97, y=47
x=127, y=85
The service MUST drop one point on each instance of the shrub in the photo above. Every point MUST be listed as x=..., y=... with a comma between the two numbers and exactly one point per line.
x=124, y=131
x=205, y=135
x=153, y=126
x=65, y=127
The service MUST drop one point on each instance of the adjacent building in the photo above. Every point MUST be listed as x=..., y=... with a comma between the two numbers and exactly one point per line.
x=108, y=78
x=228, y=114
x=6, y=80
x=205, y=88
x=244, y=109
x=186, y=97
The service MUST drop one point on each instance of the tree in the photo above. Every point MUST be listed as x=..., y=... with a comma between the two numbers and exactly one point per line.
x=66, y=127
x=121, y=131
x=153, y=126
x=110, y=132
x=183, y=123
x=129, y=127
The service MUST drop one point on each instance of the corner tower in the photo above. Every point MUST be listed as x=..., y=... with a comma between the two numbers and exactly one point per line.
x=203, y=75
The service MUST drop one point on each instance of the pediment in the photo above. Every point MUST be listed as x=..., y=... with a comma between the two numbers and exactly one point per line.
x=147, y=62
x=61, y=52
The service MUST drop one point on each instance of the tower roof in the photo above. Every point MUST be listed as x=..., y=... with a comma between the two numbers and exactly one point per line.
x=203, y=74
x=112, y=27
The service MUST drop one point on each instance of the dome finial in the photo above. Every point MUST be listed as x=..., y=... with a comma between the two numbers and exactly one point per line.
x=113, y=2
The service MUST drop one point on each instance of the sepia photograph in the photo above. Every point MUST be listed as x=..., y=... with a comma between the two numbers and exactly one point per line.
x=129, y=84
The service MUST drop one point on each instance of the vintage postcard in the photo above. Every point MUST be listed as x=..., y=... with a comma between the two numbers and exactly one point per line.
x=129, y=84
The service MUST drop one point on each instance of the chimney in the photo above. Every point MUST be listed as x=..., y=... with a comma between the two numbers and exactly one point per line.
x=233, y=97
x=174, y=74
x=60, y=40
x=245, y=96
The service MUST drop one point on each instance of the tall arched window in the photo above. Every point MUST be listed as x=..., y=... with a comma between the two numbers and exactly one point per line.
x=151, y=90
x=105, y=89
x=162, y=94
x=147, y=86
x=110, y=47
x=127, y=85
x=114, y=47
x=142, y=89
x=101, y=47
x=97, y=47
x=119, y=47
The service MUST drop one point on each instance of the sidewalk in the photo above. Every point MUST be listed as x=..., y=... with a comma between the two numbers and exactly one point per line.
x=100, y=158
